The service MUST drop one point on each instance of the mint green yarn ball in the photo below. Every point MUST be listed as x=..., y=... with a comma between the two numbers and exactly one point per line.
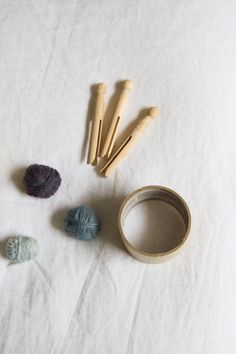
x=21, y=249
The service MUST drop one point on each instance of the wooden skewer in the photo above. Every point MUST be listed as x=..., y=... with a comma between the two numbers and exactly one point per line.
x=96, y=130
x=111, y=134
x=129, y=142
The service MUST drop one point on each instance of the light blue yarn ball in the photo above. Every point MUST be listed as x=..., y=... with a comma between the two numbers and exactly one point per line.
x=82, y=223
x=21, y=249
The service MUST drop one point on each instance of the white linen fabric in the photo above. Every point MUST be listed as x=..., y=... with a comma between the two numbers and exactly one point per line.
x=93, y=297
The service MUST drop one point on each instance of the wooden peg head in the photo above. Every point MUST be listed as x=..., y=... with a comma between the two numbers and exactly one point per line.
x=101, y=88
x=153, y=112
x=128, y=85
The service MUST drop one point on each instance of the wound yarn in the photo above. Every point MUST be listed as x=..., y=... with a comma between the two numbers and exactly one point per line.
x=82, y=223
x=21, y=249
x=41, y=181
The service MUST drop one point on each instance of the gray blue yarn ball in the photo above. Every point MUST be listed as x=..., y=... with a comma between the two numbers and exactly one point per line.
x=21, y=249
x=82, y=223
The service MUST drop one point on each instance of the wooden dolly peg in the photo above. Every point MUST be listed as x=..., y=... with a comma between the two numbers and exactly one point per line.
x=111, y=134
x=129, y=142
x=96, y=129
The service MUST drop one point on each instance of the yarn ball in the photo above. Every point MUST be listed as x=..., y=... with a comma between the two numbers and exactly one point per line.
x=41, y=181
x=21, y=248
x=82, y=223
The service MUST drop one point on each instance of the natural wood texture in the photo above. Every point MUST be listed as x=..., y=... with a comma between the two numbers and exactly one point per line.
x=129, y=142
x=96, y=128
x=155, y=193
x=111, y=134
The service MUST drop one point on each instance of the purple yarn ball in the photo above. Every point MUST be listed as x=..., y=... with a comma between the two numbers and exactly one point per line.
x=41, y=181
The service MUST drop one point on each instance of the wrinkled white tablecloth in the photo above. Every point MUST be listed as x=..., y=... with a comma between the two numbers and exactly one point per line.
x=93, y=297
